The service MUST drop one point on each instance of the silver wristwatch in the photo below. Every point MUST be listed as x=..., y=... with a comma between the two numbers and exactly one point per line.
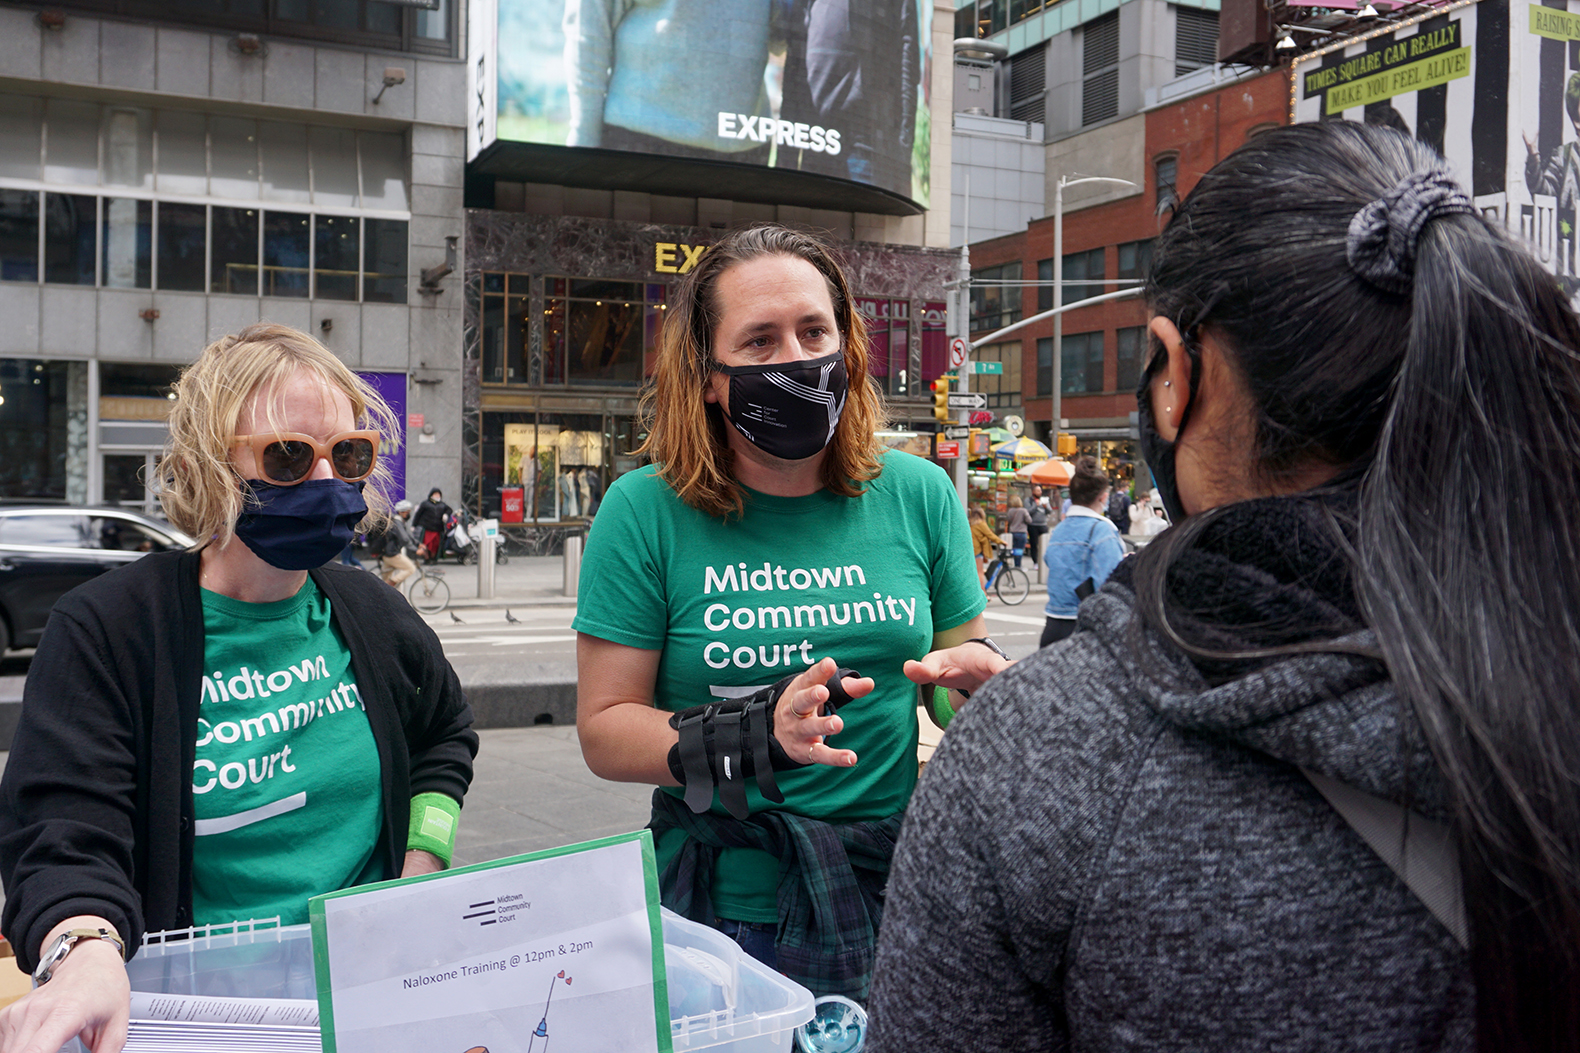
x=990, y=645
x=62, y=945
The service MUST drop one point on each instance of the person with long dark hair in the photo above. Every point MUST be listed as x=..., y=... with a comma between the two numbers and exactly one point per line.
x=1362, y=399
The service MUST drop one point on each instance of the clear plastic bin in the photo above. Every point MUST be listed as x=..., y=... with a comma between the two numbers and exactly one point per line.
x=720, y=999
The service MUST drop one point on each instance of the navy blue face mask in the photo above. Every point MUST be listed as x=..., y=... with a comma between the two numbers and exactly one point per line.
x=303, y=526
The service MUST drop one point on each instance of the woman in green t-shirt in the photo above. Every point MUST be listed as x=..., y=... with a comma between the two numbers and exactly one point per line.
x=225, y=732
x=772, y=536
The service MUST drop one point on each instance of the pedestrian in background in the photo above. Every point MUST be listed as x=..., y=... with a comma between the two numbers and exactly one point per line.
x=1036, y=523
x=1016, y=523
x=430, y=519
x=1359, y=387
x=1118, y=510
x=1082, y=551
x=984, y=542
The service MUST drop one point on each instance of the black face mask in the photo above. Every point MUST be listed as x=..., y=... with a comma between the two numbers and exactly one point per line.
x=1157, y=451
x=788, y=410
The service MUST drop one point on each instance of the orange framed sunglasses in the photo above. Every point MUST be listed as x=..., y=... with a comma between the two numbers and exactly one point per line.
x=286, y=458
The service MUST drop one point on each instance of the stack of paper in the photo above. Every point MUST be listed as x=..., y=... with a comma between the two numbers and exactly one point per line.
x=197, y=1024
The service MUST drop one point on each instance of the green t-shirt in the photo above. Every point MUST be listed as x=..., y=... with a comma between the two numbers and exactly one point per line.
x=286, y=782
x=738, y=604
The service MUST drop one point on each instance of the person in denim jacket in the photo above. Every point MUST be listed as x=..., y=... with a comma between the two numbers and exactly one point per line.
x=1084, y=546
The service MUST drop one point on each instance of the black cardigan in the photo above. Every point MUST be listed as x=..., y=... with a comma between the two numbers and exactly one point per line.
x=96, y=807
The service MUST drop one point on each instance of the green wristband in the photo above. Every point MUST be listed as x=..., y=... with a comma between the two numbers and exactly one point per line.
x=434, y=819
x=943, y=711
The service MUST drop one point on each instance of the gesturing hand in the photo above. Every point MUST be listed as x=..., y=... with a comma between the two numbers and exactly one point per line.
x=964, y=667
x=799, y=723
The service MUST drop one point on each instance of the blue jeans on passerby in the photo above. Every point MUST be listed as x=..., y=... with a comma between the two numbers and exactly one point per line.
x=1017, y=545
x=756, y=938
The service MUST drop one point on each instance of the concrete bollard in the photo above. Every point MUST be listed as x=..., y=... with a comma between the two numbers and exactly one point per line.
x=573, y=563
x=485, y=566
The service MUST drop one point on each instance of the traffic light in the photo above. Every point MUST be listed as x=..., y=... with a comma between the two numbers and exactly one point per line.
x=941, y=398
x=1066, y=445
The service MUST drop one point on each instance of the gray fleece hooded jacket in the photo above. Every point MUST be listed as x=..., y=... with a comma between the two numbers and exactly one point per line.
x=1112, y=852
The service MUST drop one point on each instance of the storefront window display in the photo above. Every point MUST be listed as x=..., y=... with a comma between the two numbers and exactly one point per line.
x=558, y=460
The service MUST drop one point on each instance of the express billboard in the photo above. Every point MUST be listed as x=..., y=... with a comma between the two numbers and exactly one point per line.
x=1493, y=85
x=831, y=88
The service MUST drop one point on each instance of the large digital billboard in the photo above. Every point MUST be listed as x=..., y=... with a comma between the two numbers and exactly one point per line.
x=1495, y=87
x=836, y=89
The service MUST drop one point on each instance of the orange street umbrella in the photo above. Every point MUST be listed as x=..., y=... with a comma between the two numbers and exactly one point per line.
x=1052, y=472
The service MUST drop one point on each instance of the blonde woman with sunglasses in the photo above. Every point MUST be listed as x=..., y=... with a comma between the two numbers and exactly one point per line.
x=222, y=733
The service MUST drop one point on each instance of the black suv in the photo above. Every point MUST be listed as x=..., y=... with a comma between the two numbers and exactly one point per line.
x=46, y=552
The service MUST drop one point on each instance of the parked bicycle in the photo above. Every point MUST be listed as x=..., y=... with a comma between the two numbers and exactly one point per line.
x=428, y=591
x=1011, y=584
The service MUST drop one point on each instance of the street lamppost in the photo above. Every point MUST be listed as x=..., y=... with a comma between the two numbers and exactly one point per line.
x=1058, y=291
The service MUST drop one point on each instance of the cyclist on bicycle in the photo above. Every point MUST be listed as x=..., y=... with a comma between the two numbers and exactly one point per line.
x=395, y=561
x=984, y=541
x=1082, y=550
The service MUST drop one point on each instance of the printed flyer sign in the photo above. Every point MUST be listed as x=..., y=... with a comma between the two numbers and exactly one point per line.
x=564, y=945
x=1492, y=85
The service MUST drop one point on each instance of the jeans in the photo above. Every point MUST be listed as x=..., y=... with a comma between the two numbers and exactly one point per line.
x=756, y=938
x=1017, y=545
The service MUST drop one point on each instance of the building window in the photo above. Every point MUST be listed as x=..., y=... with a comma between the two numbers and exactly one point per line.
x=1082, y=267
x=995, y=297
x=600, y=333
x=1028, y=83
x=286, y=244
x=40, y=400
x=1045, y=367
x=1044, y=285
x=504, y=327
x=233, y=259
x=337, y=250
x=1081, y=368
x=1002, y=389
x=384, y=261
x=1132, y=343
x=364, y=23
x=69, y=240
x=127, y=243
x=1100, y=69
x=1135, y=260
x=1195, y=39
x=183, y=235
x=888, y=343
x=1167, y=171
x=935, y=340
x=157, y=232
x=18, y=235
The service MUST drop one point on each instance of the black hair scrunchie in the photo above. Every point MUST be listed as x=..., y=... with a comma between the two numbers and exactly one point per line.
x=1382, y=235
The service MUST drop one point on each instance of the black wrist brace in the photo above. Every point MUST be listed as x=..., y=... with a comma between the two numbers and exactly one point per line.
x=722, y=743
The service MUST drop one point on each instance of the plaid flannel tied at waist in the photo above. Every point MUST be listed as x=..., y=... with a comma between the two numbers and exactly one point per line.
x=831, y=882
